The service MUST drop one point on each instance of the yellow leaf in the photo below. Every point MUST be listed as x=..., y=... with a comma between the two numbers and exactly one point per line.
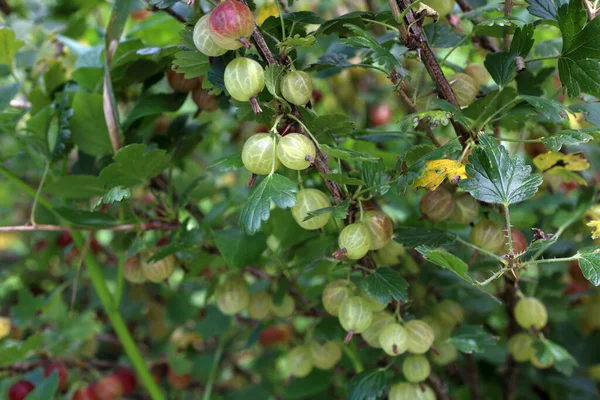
x=265, y=12
x=563, y=165
x=596, y=226
x=438, y=170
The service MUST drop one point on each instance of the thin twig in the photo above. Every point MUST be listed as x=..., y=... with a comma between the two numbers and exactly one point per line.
x=485, y=41
x=438, y=386
x=145, y=226
x=167, y=10
x=422, y=124
x=472, y=376
x=509, y=297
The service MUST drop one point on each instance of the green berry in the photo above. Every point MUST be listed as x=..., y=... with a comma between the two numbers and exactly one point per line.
x=420, y=336
x=158, y=271
x=442, y=7
x=416, y=368
x=531, y=312
x=334, y=295
x=295, y=151
x=355, y=241
x=520, y=346
x=259, y=306
x=244, y=78
x=446, y=354
x=310, y=200
x=488, y=235
x=296, y=87
x=258, y=154
x=380, y=320
x=449, y=313
x=203, y=39
x=393, y=339
x=438, y=205
x=466, y=209
x=325, y=356
x=299, y=362
x=355, y=315
x=380, y=228
x=232, y=296
x=411, y=391
x=285, y=308
x=465, y=88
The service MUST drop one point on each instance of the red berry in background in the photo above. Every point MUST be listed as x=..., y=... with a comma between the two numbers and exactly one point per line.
x=178, y=381
x=179, y=83
x=19, y=390
x=274, y=335
x=534, y=149
x=231, y=23
x=519, y=242
x=108, y=388
x=127, y=379
x=162, y=242
x=380, y=114
x=64, y=239
x=84, y=394
x=61, y=370
x=576, y=288
x=40, y=245
x=204, y=100
x=317, y=96
x=576, y=273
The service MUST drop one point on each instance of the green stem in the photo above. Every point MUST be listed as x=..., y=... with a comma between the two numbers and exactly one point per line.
x=292, y=116
x=558, y=233
x=367, y=190
x=541, y=59
x=120, y=279
x=393, y=28
x=38, y=193
x=215, y=366
x=508, y=229
x=351, y=353
x=497, y=112
x=551, y=260
x=454, y=48
x=476, y=123
x=482, y=250
x=281, y=19
x=519, y=140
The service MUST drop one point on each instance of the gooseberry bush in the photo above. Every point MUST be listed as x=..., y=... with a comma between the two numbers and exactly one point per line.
x=299, y=200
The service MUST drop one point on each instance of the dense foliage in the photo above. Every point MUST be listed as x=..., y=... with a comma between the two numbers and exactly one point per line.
x=294, y=200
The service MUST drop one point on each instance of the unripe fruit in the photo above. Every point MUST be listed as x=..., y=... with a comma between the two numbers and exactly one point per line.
x=411, y=391
x=296, y=151
x=258, y=154
x=373, y=303
x=420, y=336
x=466, y=209
x=299, y=362
x=309, y=200
x=594, y=372
x=203, y=39
x=179, y=83
x=204, y=100
x=244, y=78
x=19, y=390
x=325, y=356
x=379, y=227
x=437, y=205
x=133, y=270
x=274, y=335
x=285, y=308
x=380, y=114
x=479, y=73
x=416, y=368
x=393, y=339
x=5, y=327
x=232, y=296
x=520, y=346
x=158, y=271
x=259, y=306
x=108, y=388
x=355, y=239
x=296, y=87
x=61, y=371
x=449, y=312
x=231, y=23
x=465, y=88
x=442, y=7
x=539, y=365
x=446, y=353
x=334, y=295
x=440, y=332
x=355, y=315
x=488, y=235
x=379, y=321
x=390, y=254
x=530, y=312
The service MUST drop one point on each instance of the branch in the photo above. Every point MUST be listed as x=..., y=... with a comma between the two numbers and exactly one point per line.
x=509, y=297
x=167, y=10
x=472, y=376
x=144, y=226
x=422, y=124
x=485, y=41
x=438, y=386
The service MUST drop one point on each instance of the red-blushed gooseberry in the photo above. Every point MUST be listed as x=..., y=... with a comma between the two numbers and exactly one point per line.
x=437, y=205
x=203, y=39
x=231, y=23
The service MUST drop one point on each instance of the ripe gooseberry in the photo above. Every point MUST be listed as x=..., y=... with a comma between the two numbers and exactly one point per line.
x=416, y=368
x=380, y=114
x=158, y=271
x=127, y=379
x=411, y=391
x=334, y=295
x=488, y=235
x=442, y=7
x=285, y=308
x=309, y=200
x=296, y=87
x=133, y=270
x=274, y=335
x=204, y=100
x=519, y=242
x=108, y=388
x=19, y=390
x=325, y=356
x=520, y=347
x=61, y=371
x=446, y=353
x=244, y=79
x=355, y=316
x=437, y=205
x=379, y=321
x=86, y=393
x=393, y=339
x=354, y=241
x=529, y=312
x=179, y=83
x=232, y=296
x=379, y=227
x=296, y=151
x=299, y=362
x=258, y=154
x=466, y=209
x=420, y=336
x=465, y=88
x=203, y=39
x=231, y=23
x=259, y=305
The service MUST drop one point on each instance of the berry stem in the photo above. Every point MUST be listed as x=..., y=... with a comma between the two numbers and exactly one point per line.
x=244, y=42
x=348, y=337
x=255, y=106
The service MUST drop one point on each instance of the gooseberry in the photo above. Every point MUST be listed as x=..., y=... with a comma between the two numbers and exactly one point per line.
x=379, y=321
x=488, y=235
x=309, y=200
x=380, y=114
x=379, y=227
x=325, y=356
x=539, y=364
x=355, y=316
x=390, y=254
x=244, y=79
x=203, y=39
x=127, y=379
x=416, y=368
x=274, y=335
x=296, y=87
x=465, y=88
x=231, y=23
x=86, y=393
x=519, y=242
x=335, y=293
x=108, y=388
x=411, y=391
x=299, y=362
x=232, y=296
x=133, y=271
x=442, y=7
x=440, y=332
x=449, y=312
x=354, y=241
x=445, y=353
x=179, y=83
x=520, y=347
x=437, y=205
x=259, y=305
x=530, y=312
x=19, y=390
x=204, y=100
x=479, y=73
x=158, y=271
x=178, y=381
x=285, y=308
x=61, y=371
x=420, y=336
x=593, y=372
x=258, y=154
x=296, y=151
x=374, y=304
x=466, y=209
x=393, y=339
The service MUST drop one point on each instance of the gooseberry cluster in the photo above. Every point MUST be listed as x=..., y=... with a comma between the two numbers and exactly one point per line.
x=302, y=359
x=139, y=270
x=372, y=232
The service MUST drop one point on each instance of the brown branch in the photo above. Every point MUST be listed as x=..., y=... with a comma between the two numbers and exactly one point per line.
x=509, y=297
x=438, y=386
x=422, y=124
x=144, y=226
x=508, y=4
x=472, y=377
x=485, y=41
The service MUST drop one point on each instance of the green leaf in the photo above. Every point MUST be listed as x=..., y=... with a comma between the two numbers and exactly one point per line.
x=375, y=178
x=214, y=323
x=275, y=188
x=568, y=137
x=331, y=60
x=502, y=67
x=442, y=35
x=413, y=237
x=9, y=46
x=163, y=3
x=63, y=129
x=27, y=307
x=589, y=262
x=386, y=285
x=239, y=249
x=590, y=111
x=228, y=163
x=297, y=41
x=38, y=126
x=339, y=211
x=85, y=218
x=311, y=385
x=114, y=195
x=273, y=75
x=446, y=260
x=368, y=385
x=549, y=109
x=433, y=118
x=472, y=339
x=343, y=179
x=328, y=126
x=522, y=40
x=347, y=154
x=46, y=389
x=545, y=9
x=88, y=126
x=153, y=105
x=134, y=165
x=7, y=93
x=364, y=40
x=496, y=27
x=17, y=351
x=76, y=187
x=496, y=177
x=547, y=352
x=191, y=63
